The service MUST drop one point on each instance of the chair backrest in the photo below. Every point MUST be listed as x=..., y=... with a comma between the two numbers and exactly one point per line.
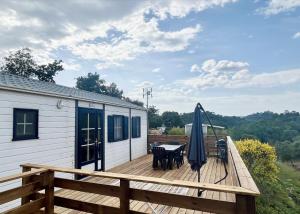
x=158, y=152
x=182, y=148
x=173, y=143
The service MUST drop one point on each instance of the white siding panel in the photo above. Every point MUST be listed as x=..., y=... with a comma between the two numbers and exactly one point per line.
x=139, y=145
x=116, y=153
x=55, y=145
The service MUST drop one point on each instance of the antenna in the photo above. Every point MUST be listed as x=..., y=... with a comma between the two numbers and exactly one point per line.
x=147, y=92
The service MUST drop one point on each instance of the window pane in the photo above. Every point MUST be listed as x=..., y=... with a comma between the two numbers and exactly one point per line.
x=30, y=129
x=20, y=130
x=30, y=117
x=19, y=117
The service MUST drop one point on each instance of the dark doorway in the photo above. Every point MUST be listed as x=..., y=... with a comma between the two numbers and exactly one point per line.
x=90, y=144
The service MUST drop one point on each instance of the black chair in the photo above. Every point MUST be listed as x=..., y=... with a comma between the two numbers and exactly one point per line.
x=222, y=150
x=173, y=143
x=179, y=156
x=153, y=145
x=159, y=156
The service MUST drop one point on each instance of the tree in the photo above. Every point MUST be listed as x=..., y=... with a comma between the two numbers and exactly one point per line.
x=136, y=102
x=171, y=119
x=154, y=118
x=92, y=83
x=21, y=63
x=112, y=90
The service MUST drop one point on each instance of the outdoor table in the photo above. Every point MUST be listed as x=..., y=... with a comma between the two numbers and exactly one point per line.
x=170, y=149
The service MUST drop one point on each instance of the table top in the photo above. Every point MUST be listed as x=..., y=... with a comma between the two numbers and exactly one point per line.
x=170, y=147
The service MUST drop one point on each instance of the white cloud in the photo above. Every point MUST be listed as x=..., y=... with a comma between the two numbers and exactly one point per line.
x=109, y=32
x=156, y=70
x=235, y=74
x=71, y=65
x=195, y=68
x=277, y=6
x=296, y=35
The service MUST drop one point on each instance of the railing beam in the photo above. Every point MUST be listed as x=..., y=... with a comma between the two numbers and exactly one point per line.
x=124, y=196
x=49, y=193
x=25, y=180
x=245, y=204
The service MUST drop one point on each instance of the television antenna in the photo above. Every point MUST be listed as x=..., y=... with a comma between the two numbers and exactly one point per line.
x=147, y=92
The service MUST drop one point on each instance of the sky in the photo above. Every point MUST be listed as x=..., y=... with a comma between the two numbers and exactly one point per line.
x=235, y=57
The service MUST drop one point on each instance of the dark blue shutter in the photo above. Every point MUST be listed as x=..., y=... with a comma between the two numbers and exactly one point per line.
x=125, y=128
x=110, y=128
x=139, y=128
x=133, y=127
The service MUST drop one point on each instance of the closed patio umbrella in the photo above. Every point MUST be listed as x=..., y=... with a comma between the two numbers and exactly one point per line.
x=196, y=153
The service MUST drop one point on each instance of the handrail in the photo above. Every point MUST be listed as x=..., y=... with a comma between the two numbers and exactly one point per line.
x=244, y=177
x=179, y=183
x=22, y=175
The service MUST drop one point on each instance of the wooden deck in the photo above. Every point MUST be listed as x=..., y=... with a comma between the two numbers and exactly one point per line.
x=210, y=172
x=136, y=188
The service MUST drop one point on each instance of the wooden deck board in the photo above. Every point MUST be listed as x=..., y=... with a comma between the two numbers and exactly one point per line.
x=210, y=172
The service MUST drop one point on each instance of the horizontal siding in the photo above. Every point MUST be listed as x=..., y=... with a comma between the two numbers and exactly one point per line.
x=139, y=145
x=116, y=153
x=55, y=145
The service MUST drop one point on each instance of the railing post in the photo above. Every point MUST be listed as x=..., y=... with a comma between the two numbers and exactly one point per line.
x=49, y=193
x=124, y=196
x=25, y=199
x=245, y=204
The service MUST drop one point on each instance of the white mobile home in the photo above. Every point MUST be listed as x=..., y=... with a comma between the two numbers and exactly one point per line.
x=50, y=124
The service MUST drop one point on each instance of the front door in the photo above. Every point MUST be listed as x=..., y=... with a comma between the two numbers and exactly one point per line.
x=90, y=138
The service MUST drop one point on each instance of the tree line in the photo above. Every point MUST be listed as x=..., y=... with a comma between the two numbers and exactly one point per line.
x=281, y=130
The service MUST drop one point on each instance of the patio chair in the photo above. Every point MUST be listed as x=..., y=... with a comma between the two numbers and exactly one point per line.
x=153, y=145
x=173, y=143
x=178, y=156
x=159, y=156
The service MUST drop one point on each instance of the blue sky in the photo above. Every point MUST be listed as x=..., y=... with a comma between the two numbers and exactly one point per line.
x=235, y=57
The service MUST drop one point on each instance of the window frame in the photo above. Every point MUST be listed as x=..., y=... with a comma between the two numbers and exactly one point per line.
x=136, y=127
x=124, y=129
x=36, y=126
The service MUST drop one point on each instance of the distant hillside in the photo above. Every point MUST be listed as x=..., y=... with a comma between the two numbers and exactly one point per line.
x=267, y=126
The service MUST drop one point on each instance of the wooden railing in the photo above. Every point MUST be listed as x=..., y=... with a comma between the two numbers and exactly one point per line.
x=41, y=177
x=209, y=140
x=32, y=182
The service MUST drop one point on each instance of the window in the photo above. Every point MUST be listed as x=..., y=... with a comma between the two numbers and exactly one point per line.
x=117, y=128
x=136, y=127
x=25, y=124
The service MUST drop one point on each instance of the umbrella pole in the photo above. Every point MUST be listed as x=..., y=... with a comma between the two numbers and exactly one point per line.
x=199, y=191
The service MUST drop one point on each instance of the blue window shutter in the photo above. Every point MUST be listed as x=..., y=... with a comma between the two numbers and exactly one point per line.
x=110, y=129
x=125, y=128
x=133, y=127
x=139, y=128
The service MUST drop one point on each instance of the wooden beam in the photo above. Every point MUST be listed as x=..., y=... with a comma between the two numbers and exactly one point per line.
x=87, y=206
x=25, y=180
x=30, y=207
x=183, y=201
x=124, y=196
x=24, y=174
x=179, y=183
x=49, y=193
x=245, y=204
x=19, y=192
x=89, y=187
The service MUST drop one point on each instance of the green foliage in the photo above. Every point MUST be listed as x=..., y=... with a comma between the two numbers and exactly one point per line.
x=176, y=131
x=279, y=184
x=21, y=63
x=260, y=159
x=154, y=118
x=171, y=119
x=92, y=82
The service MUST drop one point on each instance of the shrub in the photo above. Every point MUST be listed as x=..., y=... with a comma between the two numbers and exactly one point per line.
x=260, y=159
x=176, y=131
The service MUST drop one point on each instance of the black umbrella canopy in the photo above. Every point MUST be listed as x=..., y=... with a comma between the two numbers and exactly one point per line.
x=196, y=153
